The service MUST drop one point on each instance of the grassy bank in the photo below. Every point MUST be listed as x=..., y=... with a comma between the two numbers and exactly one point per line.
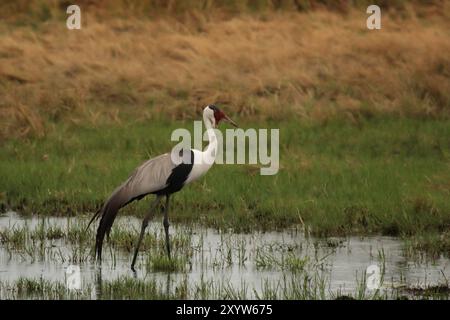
x=364, y=115
x=298, y=288
x=386, y=175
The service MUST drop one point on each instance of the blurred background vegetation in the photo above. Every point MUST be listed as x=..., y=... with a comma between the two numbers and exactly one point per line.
x=269, y=59
x=41, y=10
x=364, y=115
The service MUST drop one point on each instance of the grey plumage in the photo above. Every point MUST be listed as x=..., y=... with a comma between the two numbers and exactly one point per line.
x=148, y=178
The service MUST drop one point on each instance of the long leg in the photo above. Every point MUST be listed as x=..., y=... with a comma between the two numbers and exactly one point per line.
x=166, y=225
x=144, y=226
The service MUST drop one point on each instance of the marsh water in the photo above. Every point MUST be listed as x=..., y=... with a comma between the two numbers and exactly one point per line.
x=249, y=263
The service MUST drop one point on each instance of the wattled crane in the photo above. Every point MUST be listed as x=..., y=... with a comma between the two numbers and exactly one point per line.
x=161, y=176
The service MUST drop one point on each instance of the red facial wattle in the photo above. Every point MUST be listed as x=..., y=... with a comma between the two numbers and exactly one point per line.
x=218, y=115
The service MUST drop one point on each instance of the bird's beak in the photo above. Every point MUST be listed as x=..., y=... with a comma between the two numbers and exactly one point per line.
x=227, y=119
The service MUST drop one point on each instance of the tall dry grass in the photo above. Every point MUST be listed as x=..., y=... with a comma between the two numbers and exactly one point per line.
x=275, y=65
x=26, y=11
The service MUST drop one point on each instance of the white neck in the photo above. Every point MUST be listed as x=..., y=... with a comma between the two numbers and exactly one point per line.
x=203, y=160
x=209, y=155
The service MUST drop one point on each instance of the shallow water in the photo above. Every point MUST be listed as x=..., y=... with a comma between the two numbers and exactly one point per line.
x=249, y=261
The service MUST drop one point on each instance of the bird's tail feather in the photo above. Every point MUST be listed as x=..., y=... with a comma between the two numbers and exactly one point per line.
x=94, y=217
x=108, y=214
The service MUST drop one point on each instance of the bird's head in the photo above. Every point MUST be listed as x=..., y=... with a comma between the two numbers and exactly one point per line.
x=214, y=115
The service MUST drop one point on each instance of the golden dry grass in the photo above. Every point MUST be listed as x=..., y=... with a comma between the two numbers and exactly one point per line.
x=318, y=64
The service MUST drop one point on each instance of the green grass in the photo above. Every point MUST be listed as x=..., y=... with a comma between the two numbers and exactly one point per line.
x=383, y=175
x=288, y=288
x=164, y=264
x=428, y=245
